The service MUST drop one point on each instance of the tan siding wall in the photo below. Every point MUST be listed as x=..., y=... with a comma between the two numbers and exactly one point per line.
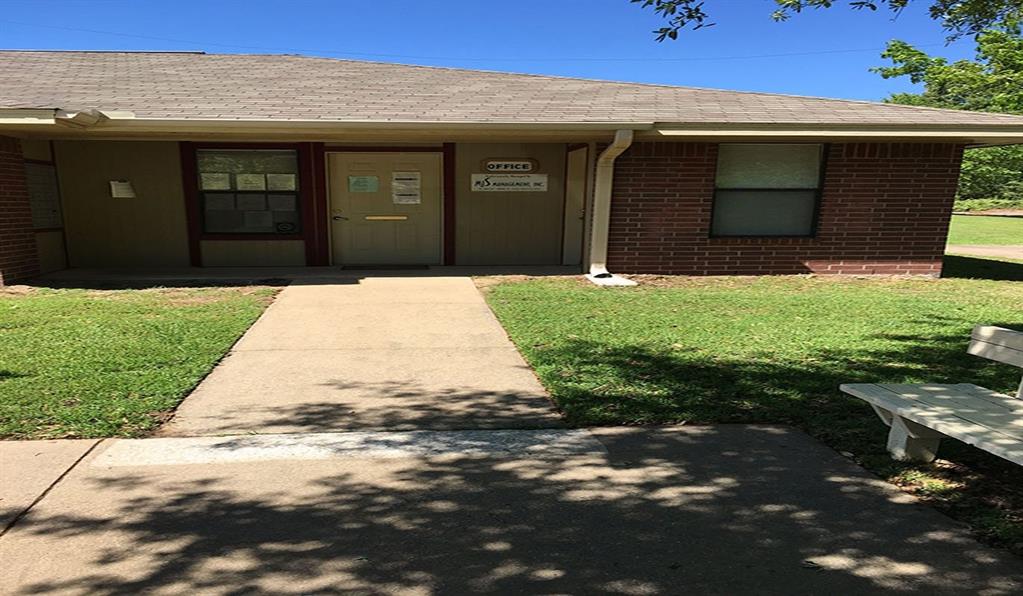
x=147, y=231
x=35, y=149
x=509, y=228
x=50, y=247
x=253, y=253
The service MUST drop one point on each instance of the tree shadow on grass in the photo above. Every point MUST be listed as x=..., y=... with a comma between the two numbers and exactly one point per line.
x=979, y=268
x=703, y=510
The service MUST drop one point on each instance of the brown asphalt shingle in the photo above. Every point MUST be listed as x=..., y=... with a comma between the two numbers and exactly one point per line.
x=282, y=87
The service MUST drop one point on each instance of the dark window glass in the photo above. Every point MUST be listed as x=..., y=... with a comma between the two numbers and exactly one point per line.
x=766, y=190
x=249, y=191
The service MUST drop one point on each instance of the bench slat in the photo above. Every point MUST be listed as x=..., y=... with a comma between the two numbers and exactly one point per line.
x=998, y=344
x=953, y=400
x=991, y=440
x=1013, y=404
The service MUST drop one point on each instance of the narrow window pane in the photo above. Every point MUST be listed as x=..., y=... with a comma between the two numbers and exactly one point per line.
x=763, y=213
x=768, y=166
x=43, y=195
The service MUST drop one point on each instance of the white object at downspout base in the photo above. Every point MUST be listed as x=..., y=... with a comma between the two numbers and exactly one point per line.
x=610, y=280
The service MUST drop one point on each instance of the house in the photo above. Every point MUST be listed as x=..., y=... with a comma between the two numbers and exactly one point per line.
x=179, y=159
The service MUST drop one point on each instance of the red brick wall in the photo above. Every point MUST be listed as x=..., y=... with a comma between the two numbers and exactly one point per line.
x=884, y=209
x=18, y=258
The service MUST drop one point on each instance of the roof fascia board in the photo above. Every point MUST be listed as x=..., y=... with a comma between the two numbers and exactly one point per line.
x=333, y=125
x=997, y=135
x=26, y=116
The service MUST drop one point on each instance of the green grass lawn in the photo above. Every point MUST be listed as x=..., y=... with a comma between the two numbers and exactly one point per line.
x=774, y=350
x=981, y=229
x=90, y=363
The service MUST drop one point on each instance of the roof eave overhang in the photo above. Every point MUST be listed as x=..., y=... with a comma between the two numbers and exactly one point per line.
x=970, y=134
x=113, y=124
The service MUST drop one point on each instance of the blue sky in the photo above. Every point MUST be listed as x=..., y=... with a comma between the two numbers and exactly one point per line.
x=823, y=53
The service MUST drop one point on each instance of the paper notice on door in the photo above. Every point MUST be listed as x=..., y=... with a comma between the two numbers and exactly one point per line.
x=363, y=184
x=406, y=188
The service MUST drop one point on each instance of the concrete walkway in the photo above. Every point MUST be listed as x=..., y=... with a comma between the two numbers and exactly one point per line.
x=363, y=353
x=979, y=250
x=699, y=510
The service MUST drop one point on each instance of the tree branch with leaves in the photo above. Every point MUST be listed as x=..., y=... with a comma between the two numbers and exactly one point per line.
x=959, y=18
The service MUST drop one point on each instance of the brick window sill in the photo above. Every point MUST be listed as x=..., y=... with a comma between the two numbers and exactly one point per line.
x=763, y=240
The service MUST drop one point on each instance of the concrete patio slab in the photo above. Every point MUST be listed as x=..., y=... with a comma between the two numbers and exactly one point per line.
x=387, y=352
x=721, y=509
x=29, y=468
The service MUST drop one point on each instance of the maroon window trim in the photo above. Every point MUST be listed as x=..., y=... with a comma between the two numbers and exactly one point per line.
x=306, y=193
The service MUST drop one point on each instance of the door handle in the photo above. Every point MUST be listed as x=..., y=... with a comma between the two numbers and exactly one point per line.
x=339, y=218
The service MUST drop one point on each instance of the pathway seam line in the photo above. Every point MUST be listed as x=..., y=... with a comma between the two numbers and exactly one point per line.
x=47, y=490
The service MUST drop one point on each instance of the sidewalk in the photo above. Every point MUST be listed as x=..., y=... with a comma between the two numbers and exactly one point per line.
x=390, y=352
x=979, y=250
x=723, y=509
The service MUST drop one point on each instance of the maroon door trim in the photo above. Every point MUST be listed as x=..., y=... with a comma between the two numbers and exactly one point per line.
x=449, y=203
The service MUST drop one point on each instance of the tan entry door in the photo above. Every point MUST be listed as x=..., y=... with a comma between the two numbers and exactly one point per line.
x=385, y=208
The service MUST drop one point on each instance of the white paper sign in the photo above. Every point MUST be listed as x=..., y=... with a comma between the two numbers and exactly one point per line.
x=121, y=189
x=280, y=182
x=215, y=181
x=406, y=188
x=250, y=182
x=509, y=182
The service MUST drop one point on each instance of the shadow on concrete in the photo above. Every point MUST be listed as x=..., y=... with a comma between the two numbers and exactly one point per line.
x=697, y=510
x=378, y=406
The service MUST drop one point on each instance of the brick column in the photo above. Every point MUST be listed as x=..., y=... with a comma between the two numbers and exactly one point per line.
x=18, y=257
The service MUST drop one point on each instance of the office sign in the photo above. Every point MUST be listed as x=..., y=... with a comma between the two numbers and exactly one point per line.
x=509, y=182
x=518, y=165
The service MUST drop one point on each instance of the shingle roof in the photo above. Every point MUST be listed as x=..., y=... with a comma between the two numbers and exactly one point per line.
x=284, y=87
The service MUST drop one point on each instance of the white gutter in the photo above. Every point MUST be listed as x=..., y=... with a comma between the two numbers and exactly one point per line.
x=604, y=180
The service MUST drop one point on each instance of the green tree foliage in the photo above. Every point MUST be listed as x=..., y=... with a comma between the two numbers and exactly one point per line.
x=993, y=82
x=958, y=17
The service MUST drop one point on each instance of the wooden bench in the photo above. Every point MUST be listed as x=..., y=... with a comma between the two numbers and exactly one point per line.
x=921, y=415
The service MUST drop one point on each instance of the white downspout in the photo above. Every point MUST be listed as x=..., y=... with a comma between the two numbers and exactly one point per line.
x=603, y=181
